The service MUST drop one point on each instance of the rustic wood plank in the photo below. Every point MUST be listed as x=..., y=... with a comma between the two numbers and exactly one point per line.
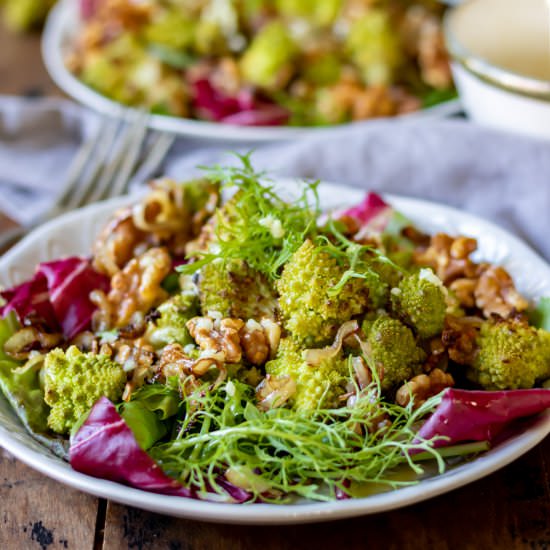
x=509, y=509
x=21, y=69
x=39, y=513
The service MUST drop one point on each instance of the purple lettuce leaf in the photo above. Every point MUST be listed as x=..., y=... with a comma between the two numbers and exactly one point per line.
x=88, y=8
x=70, y=282
x=370, y=207
x=105, y=447
x=30, y=299
x=58, y=295
x=465, y=415
x=244, y=109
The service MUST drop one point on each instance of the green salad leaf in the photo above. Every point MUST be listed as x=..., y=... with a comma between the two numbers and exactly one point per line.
x=20, y=384
x=540, y=316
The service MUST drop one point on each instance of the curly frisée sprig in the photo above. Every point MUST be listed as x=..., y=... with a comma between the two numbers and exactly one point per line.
x=257, y=225
x=281, y=453
x=358, y=257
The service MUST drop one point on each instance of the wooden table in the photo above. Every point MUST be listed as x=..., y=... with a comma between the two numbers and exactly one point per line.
x=509, y=509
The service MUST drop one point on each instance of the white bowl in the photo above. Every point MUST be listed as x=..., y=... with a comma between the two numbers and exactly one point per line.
x=64, y=23
x=500, y=53
x=74, y=233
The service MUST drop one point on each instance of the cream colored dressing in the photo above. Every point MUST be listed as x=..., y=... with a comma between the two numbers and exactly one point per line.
x=511, y=34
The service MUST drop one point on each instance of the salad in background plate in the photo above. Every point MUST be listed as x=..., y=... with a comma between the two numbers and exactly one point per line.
x=255, y=350
x=264, y=63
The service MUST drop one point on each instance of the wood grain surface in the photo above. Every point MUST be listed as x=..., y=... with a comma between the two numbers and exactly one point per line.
x=509, y=509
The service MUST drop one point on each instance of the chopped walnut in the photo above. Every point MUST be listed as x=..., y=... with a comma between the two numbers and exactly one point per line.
x=463, y=289
x=134, y=291
x=226, y=76
x=437, y=357
x=214, y=335
x=448, y=257
x=495, y=293
x=233, y=338
x=422, y=387
x=136, y=358
x=128, y=14
x=459, y=338
x=175, y=362
x=118, y=243
x=432, y=55
x=167, y=215
x=423, y=39
x=254, y=343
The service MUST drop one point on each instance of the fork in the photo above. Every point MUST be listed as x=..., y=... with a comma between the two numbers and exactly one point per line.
x=104, y=167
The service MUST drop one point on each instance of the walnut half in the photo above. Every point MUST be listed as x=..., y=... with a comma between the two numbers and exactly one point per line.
x=422, y=387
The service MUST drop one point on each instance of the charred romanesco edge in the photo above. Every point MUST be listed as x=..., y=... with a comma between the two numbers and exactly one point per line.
x=316, y=386
x=311, y=313
x=74, y=381
x=420, y=301
x=510, y=356
x=394, y=351
x=233, y=289
x=170, y=327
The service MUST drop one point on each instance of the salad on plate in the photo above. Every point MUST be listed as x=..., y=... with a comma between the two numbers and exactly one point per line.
x=223, y=344
x=264, y=62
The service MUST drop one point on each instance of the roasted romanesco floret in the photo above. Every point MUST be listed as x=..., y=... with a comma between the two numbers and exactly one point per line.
x=421, y=302
x=233, y=289
x=311, y=310
x=316, y=386
x=373, y=44
x=267, y=62
x=174, y=313
x=395, y=353
x=74, y=381
x=510, y=355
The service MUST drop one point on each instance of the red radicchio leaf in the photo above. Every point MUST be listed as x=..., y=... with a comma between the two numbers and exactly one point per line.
x=30, y=298
x=238, y=494
x=70, y=282
x=465, y=415
x=370, y=207
x=105, y=447
x=88, y=8
x=243, y=109
x=58, y=294
x=263, y=115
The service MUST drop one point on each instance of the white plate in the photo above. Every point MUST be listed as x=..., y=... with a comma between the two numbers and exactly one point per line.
x=64, y=22
x=74, y=233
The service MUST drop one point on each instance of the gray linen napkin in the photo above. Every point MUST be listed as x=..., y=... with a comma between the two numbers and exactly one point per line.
x=501, y=177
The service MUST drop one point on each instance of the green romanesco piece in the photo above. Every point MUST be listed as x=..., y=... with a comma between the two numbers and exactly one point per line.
x=510, y=356
x=234, y=289
x=316, y=386
x=312, y=313
x=170, y=327
x=268, y=60
x=394, y=350
x=172, y=29
x=318, y=12
x=420, y=300
x=373, y=44
x=74, y=381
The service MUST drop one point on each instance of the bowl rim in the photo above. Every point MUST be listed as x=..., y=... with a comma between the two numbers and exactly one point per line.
x=486, y=71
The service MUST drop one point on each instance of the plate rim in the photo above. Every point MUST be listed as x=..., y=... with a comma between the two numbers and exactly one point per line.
x=51, y=46
x=270, y=514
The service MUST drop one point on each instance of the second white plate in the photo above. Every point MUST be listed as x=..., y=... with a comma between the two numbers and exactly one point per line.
x=61, y=26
